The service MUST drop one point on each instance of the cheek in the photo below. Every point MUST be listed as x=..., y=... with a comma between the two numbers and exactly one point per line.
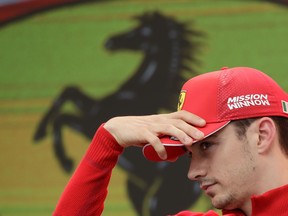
x=237, y=170
x=225, y=163
x=232, y=163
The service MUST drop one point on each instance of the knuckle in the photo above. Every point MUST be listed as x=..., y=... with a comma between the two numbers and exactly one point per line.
x=168, y=128
x=153, y=140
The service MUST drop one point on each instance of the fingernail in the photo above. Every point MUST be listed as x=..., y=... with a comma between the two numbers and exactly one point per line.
x=163, y=157
x=202, y=121
x=199, y=134
x=187, y=140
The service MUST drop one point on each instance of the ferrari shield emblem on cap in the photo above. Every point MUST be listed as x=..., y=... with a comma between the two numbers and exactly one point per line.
x=181, y=100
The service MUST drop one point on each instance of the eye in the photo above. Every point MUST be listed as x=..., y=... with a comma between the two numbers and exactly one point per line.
x=205, y=145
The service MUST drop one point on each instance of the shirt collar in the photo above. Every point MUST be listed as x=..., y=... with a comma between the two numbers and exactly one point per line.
x=272, y=202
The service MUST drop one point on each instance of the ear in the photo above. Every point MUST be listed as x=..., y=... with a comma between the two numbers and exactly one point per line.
x=266, y=134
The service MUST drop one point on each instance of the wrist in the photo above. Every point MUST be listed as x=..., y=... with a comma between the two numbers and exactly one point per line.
x=103, y=146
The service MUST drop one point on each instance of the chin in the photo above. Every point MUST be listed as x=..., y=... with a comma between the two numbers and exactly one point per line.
x=223, y=202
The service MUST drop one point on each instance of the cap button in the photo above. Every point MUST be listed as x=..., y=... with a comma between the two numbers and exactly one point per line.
x=224, y=68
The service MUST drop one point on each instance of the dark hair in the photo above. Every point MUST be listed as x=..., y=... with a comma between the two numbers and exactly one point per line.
x=281, y=124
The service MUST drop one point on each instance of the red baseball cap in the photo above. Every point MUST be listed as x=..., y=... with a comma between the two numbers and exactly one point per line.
x=222, y=96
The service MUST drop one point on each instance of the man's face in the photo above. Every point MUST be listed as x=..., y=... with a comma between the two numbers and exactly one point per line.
x=225, y=167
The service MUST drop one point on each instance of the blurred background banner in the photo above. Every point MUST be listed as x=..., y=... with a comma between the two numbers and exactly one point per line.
x=13, y=10
x=67, y=66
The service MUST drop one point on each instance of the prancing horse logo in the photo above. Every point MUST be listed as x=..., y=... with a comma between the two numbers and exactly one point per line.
x=181, y=100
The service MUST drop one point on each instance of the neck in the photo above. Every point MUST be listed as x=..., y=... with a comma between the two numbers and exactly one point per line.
x=275, y=172
x=272, y=173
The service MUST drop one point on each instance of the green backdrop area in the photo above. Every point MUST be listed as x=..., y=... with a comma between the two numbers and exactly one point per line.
x=42, y=54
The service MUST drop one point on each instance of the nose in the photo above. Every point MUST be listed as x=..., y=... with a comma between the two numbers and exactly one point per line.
x=196, y=171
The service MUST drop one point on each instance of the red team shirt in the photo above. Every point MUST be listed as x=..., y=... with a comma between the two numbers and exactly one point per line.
x=87, y=189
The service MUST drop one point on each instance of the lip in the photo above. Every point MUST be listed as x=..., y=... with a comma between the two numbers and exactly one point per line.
x=206, y=187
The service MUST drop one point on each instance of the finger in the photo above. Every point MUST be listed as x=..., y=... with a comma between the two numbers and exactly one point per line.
x=188, y=129
x=156, y=143
x=179, y=133
x=179, y=128
x=190, y=118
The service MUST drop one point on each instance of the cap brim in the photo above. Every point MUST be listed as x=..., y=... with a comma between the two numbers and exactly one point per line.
x=174, y=147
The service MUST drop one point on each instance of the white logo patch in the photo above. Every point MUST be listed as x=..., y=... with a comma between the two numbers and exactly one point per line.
x=248, y=100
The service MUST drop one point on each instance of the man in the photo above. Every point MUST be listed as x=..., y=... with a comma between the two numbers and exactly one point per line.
x=239, y=154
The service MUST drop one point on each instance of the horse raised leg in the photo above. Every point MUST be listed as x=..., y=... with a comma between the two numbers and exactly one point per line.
x=64, y=120
x=58, y=119
x=73, y=94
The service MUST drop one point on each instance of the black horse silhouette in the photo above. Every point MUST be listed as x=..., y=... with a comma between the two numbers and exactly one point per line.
x=168, y=46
